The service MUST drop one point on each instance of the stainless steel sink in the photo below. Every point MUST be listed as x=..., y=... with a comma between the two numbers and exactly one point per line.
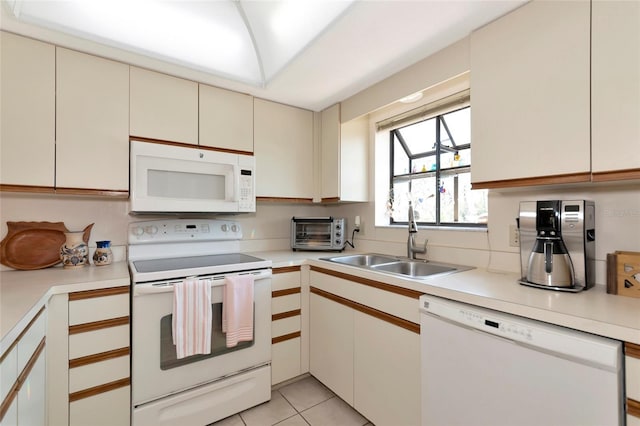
x=414, y=269
x=362, y=259
x=418, y=269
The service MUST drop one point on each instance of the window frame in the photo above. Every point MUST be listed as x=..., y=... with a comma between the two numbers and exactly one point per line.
x=438, y=173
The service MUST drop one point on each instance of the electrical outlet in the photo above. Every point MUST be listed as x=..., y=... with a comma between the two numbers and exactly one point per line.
x=514, y=236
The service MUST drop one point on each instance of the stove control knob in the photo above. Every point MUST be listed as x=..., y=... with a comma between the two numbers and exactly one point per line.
x=234, y=228
x=224, y=227
x=151, y=229
x=137, y=231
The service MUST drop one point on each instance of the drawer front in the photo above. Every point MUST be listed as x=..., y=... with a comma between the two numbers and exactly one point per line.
x=286, y=303
x=285, y=362
x=98, y=308
x=632, y=366
x=98, y=373
x=281, y=281
x=102, y=340
x=285, y=326
x=384, y=299
x=104, y=409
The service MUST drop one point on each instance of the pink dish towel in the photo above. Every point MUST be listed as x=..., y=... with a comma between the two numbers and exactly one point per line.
x=192, y=317
x=237, y=309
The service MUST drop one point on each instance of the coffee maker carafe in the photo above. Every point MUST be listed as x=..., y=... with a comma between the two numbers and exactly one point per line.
x=557, y=244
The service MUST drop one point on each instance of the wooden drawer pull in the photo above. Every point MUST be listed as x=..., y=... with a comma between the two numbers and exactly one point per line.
x=96, y=390
x=102, y=356
x=98, y=325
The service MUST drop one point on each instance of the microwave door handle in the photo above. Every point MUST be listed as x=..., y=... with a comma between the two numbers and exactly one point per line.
x=236, y=184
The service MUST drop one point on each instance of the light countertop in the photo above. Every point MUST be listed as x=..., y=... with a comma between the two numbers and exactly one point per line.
x=23, y=293
x=593, y=310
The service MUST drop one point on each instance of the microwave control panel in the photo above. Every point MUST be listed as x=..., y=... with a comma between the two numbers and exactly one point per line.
x=247, y=199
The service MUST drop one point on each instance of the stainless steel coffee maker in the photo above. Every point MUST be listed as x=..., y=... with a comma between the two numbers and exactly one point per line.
x=557, y=244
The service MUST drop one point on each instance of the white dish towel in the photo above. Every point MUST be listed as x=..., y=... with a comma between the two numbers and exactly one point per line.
x=237, y=309
x=192, y=317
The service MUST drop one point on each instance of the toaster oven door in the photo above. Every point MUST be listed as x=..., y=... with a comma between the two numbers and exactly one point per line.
x=311, y=234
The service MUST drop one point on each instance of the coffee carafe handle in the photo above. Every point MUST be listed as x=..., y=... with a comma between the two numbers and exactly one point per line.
x=548, y=256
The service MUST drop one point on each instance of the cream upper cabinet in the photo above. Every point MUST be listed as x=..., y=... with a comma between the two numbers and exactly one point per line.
x=615, y=96
x=27, y=76
x=330, y=152
x=92, y=122
x=163, y=107
x=226, y=119
x=344, y=157
x=283, y=137
x=530, y=94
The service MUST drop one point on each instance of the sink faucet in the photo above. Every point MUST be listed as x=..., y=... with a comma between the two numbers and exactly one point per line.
x=412, y=249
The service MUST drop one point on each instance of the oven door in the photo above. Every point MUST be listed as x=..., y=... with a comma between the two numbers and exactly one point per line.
x=311, y=235
x=157, y=373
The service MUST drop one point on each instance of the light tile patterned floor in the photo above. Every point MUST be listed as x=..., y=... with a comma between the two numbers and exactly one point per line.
x=301, y=403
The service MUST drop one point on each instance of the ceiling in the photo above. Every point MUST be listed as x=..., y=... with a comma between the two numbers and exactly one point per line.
x=306, y=53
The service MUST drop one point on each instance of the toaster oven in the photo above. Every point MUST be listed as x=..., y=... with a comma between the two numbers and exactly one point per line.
x=318, y=233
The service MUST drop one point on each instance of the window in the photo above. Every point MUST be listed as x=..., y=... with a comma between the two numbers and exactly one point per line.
x=430, y=164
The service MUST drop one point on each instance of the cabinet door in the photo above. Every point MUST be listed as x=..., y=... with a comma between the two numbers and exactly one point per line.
x=92, y=122
x=163, y=107
x=386, y=372
x=330, y=149
x=32, y=395
x=354, y=160
x=615, y=96
x=284, y=150
x=226, y=119
x=530, y=94
x=27, y=111
x=331, y=345
x=344, y=158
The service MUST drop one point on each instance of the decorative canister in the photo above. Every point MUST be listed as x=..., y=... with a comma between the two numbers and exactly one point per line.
x=103, y=254
x=74, y=252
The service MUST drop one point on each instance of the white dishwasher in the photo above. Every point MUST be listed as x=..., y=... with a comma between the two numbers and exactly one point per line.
x=483, y=367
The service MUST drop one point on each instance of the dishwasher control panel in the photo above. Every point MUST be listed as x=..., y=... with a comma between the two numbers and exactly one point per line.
x=541, y=335
x=492, y=324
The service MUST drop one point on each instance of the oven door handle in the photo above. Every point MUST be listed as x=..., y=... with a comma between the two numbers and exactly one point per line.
x=166, y=287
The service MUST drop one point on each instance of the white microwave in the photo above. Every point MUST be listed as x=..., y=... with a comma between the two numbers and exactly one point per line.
x=180, y=179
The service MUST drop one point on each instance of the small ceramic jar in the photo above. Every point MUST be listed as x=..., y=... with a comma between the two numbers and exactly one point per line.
x=103, y=255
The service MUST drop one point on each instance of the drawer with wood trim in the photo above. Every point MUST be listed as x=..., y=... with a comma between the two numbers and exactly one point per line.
x=99, y=353
x=102, y=409
x=632, y=376
x=397, y=301
x=91, y=306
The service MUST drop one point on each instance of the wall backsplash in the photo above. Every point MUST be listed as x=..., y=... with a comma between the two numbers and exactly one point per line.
x=617, y=224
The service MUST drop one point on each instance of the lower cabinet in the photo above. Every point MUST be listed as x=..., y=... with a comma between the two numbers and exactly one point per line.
x=286, y=327
x=331, y=345
x=365, y=345
x=24, y=375
x=386, y=372
x=99, y=366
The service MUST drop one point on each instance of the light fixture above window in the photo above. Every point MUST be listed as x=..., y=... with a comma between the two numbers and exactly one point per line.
x=414, y=97
x=246, y=41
